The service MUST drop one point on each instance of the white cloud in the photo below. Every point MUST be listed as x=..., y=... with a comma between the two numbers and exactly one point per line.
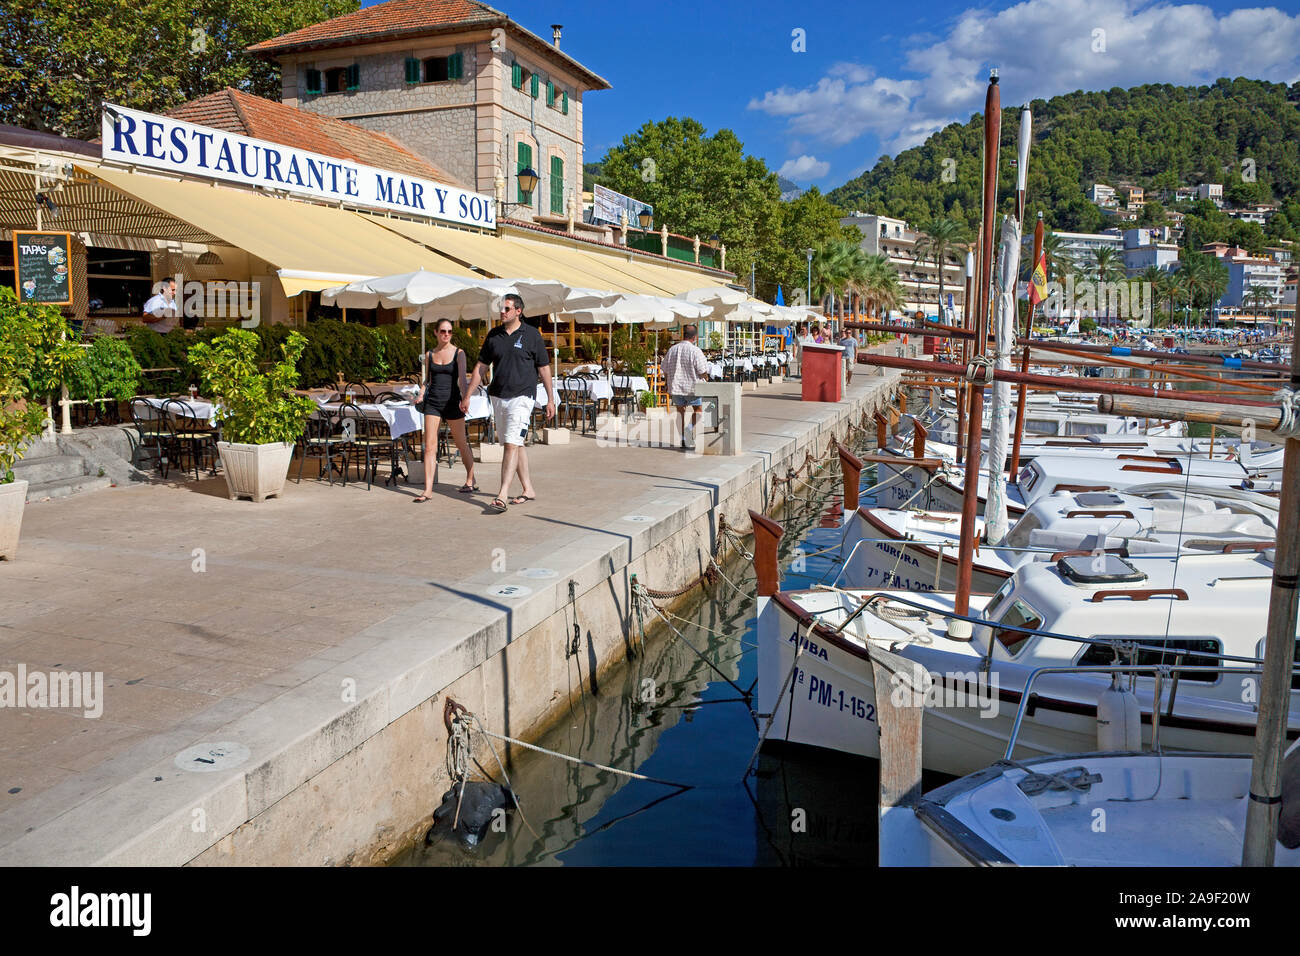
x=804, y=168
x=1042, y=48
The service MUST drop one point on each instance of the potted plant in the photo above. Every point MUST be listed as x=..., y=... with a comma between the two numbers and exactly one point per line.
x=259, y=416
x=27, y=334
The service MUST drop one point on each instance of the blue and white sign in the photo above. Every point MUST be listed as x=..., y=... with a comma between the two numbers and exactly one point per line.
x=609, y=206
x=160, y=142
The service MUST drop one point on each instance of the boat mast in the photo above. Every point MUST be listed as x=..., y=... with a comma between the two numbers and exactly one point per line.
x=965, y=349
x=975, y=403
x=1265, y=806
x=1024, y=359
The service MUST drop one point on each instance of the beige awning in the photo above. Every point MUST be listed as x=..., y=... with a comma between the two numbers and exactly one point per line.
x=314, y=246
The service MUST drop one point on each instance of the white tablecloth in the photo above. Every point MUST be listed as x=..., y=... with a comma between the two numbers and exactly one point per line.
x=636, y=382
x=203, y=409
x=401, y=419
x=598, y=388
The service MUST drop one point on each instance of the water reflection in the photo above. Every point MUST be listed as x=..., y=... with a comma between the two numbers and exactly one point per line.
x=669, y=715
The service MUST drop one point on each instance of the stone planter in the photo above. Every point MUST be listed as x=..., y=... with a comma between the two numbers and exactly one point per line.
x=255, y=471
x=13, y=497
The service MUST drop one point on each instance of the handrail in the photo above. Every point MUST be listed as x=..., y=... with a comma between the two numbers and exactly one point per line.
x=1065, y=487
x=1082, y=552
x=1140, y=594
x=1156, y=670
x=1257, y=546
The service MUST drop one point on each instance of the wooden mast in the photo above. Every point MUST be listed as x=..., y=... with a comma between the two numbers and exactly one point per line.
x=965, y=351
x=1264, y=808
x=975, y=414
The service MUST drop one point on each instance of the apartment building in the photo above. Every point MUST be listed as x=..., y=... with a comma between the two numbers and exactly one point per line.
x=457, y=83
x=918, y=276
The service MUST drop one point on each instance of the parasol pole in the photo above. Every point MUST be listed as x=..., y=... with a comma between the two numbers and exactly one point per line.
x=975, y=418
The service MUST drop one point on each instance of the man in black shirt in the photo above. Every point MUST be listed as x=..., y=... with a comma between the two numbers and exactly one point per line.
x=517, y=355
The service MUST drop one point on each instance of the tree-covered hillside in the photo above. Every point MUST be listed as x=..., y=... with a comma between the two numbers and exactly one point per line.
x=1156, y=136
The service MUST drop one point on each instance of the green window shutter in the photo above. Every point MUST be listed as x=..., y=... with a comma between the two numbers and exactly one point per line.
x=354, y=77
x=313, y=81
x=535, y=86
x=550, y=93
x=564, y=103
x=516, y=76
x=412, y=70
x=525, y=160
x=557, y=185
x=455, y=66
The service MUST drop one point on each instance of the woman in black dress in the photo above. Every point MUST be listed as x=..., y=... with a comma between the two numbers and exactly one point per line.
x=444, y=386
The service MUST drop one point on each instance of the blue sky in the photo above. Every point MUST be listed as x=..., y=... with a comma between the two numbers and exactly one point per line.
x=876, y=78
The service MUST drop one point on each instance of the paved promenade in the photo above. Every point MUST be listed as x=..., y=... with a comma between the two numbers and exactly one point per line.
x=214, y=620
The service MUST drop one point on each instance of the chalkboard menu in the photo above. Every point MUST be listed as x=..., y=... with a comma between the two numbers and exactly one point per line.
x=43, y=267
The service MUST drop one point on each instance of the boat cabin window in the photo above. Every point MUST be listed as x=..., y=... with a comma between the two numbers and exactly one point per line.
x=1098, y=499
x=1099, y=568
x=1025, y=526
x=1295, y=678
x=1085, y=428
x=1201, y=651
x=1028, y=478
x=991, y=608
x=1042, y=426
x=1019, y=614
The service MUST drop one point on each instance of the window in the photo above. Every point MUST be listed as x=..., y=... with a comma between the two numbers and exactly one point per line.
x=1018, y=615
x=557, y=185
x=516, y=76
x=343, y=78
x=564, y=103
x=525, y=161
x=313, y=81
x=535, y=83
x=550, y=93
x=1202, y=652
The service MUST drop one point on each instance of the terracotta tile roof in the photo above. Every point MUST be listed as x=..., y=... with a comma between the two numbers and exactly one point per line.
x=384, y=19
x=398, y=18
x=234, y=111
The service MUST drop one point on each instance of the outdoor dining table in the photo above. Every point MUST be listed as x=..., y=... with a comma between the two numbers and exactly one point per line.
x=203, y=409
x=635, y=382
x=597, y=388
x=401, y=418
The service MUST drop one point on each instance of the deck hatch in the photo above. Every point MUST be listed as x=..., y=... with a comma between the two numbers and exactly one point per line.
x=1099, y=569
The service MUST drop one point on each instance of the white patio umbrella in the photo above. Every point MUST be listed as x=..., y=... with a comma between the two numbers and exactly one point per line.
x=652, y=311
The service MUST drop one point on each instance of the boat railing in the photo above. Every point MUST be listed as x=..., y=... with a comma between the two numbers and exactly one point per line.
x=1158, y=671
x=1129, y=646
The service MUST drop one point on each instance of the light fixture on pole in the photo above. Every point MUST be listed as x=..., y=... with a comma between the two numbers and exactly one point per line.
x=646, y=218
x=528, y=180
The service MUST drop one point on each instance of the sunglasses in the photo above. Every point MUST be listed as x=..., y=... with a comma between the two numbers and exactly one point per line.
x=444, y=331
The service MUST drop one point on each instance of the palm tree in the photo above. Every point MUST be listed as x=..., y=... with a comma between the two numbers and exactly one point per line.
x=1259, y=299
x=1106, y=267
x=1167, y=288
x=832, y=267
x=1216, y=282
x=881, y=288
x=939, y=238
x=1151, y=277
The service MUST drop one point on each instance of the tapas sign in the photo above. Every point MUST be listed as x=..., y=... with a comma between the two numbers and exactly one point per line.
x=43, y=267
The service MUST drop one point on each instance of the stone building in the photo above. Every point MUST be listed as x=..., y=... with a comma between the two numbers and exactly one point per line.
x=455, y=82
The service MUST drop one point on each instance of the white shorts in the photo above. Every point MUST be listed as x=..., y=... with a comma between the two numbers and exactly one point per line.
x=511, y=416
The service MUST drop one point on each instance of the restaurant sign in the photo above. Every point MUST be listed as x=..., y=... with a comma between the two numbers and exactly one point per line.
x=42, y=261
x=160, y=142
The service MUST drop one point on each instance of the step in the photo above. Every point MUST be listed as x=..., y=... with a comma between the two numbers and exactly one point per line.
x=49, y=468
x=63, y=487
x=38, y=449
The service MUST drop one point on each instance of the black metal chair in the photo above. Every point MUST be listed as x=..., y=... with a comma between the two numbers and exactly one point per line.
x=360, y=393
x=190, y=434
x=576, y=400
x=371, y=444
x=151, y=434
x=323, y=439
x=623, y=394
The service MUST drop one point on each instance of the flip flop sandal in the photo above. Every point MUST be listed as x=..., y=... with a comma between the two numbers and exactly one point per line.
x=498, y=506
x=421, y=499
x=467, y=489
x=520, y=499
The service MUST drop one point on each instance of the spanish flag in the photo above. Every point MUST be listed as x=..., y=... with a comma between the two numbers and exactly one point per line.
x=1038, y=281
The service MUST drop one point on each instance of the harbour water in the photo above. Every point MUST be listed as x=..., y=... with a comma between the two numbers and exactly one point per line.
x=670, y=715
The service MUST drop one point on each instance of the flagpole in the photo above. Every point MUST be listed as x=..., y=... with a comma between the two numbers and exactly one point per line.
x=1024, y=360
